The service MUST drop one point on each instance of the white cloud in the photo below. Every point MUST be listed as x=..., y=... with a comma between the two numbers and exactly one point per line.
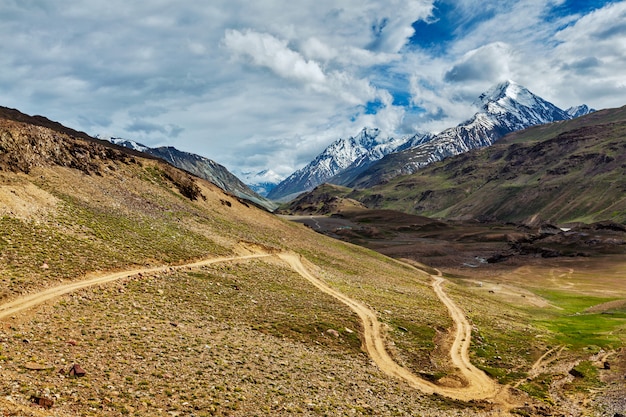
x=267, y=51
x=269, y=84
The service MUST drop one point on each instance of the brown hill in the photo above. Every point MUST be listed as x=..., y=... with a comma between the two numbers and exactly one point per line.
x=238, y=337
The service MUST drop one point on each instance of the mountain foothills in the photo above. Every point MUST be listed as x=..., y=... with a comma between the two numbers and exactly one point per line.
x=564, y=172
x=367, y=160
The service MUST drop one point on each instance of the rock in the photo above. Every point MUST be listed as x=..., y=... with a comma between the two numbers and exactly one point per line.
x=77, y=371
x=333, y=332
x=43, y=402
x=607, y=365
x=349, y=330
x=45, y=266
x=71, y=342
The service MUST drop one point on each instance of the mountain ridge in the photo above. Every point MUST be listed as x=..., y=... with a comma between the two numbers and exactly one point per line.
x=201, y=167
x=504, y=108
x=562, y=172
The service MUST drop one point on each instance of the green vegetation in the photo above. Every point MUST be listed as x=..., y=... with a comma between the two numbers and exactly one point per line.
x=573, y=327
x=586, y=377
x=539, y=387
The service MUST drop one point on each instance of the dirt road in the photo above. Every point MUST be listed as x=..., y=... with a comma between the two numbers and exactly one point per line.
x=478, y=386
x=28, y=301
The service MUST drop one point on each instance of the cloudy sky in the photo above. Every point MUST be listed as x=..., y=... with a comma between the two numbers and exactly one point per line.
x=269, y=84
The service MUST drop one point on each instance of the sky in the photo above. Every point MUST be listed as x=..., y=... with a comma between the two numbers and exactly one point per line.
x=269, y=84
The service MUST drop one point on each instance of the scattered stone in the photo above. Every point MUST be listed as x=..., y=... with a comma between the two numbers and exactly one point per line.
x=71, y=342
x=42, y=402
x=333, y=332
x=160, y=292
x=77, y=371
x=349, y=330
x=403, y=329
x=45, y=266
x=174, y=324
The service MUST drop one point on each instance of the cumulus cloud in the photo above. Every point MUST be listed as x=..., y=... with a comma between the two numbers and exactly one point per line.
x=269, y=84
x=268, y=51
x=486, y=63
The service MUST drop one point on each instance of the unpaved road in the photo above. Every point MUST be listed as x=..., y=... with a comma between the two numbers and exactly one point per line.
x=478, y=386
x=26, y=302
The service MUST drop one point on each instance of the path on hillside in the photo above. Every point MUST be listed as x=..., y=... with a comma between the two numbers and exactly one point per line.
x=31, y=300
x=479, y=386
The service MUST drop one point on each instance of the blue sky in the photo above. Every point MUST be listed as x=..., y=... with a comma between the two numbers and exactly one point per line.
x=258, y=85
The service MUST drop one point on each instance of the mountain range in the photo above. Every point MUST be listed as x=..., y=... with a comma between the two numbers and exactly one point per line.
x=366, y=160
x=563, y=172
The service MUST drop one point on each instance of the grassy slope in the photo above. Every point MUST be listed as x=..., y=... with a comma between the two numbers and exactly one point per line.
x=62, y=223
x=230, y=339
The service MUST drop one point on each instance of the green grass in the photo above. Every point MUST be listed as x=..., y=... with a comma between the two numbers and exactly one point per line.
x=539, y=387
x=571, y=326
x=588, y=377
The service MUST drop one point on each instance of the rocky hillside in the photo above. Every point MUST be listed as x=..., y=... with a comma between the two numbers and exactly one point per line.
x=202, y=167
x=234, y=338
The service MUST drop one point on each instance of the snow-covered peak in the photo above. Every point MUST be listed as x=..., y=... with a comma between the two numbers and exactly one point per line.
x=126, y=143
x=577, y=111
x=506, y=92
x=264, y=176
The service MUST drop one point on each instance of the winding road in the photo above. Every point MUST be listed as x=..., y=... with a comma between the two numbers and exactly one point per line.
x=478, y=385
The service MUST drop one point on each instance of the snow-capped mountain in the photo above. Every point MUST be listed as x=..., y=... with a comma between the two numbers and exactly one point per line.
x=368, y=146
x=504, y=108
x=577, y=111
x=126, y=143
x=365, y=160
x=201, y=167
x=261, y=182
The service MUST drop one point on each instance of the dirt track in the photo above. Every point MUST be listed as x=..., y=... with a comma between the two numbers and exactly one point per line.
x=478, y=385
x=26, y=302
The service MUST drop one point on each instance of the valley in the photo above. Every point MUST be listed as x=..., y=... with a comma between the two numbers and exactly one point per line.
x=176, y=297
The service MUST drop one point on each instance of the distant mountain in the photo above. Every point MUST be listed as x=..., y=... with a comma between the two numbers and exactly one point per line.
x=201, y=167
x=368, y=145
x=505, y=108
x=262, y=182
x=578, y=111
x=365, y=160
x=570, y=171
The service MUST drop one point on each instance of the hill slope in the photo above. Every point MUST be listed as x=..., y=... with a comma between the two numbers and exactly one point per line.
x=237, y=337
x=562, y=172
x=201, y=167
